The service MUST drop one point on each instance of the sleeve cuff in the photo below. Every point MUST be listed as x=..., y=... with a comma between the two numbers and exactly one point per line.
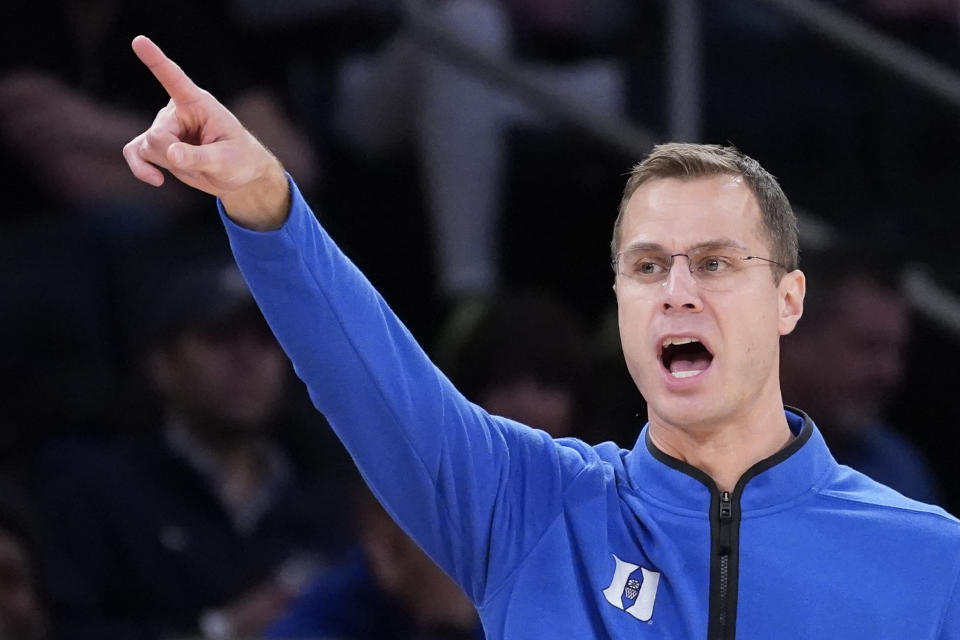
x=267, y=244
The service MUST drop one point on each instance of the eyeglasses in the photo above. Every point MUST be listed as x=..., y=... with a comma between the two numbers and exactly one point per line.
x=712, y=271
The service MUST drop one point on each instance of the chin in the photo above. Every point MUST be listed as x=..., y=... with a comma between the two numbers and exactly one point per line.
x=684, y=418
x=250, y=423
x=240, y=423
x=686, y=411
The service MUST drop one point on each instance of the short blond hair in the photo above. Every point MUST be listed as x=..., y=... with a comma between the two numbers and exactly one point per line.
x=688, y=161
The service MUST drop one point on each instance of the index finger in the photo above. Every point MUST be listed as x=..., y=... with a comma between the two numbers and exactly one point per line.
x=175, y=82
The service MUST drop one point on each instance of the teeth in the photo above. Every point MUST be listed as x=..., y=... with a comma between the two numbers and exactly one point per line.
x=684, y=374
x=669, y=341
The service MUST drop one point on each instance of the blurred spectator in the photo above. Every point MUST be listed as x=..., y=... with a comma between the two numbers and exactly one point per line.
x=206, y=525
x=846, y=359
x=22, y=613
x=387, y=589
x=521, y=356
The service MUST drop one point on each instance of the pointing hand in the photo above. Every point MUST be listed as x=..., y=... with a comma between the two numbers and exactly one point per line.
x=202, y=144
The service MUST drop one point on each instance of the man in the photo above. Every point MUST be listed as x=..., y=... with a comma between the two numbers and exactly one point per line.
x=205, y=525
x=847, y=359
x=556, y=538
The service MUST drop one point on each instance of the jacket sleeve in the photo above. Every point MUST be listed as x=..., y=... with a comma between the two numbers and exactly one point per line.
x=474, y=490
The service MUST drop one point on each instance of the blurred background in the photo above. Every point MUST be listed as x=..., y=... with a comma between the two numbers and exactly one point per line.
x=469, y=156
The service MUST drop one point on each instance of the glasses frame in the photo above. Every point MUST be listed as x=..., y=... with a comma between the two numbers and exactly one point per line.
x=614, y=263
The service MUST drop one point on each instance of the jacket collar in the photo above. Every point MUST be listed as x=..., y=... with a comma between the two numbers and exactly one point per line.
x=798, y=468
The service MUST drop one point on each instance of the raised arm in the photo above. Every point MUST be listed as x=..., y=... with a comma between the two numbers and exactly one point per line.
x=202, y=144
x=449, y=473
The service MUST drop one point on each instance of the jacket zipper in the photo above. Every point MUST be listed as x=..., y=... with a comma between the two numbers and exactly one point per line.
x=726, y=522
x=724, y=514
x=723, y=599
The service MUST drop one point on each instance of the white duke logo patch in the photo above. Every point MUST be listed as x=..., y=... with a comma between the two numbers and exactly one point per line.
x=640, y=592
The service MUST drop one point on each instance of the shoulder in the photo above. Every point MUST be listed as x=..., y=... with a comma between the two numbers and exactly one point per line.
x=860, y=494
x=606, y=457
x=584, y=470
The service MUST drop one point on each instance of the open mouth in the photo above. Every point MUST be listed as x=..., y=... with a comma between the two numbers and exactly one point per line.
x=685, y=357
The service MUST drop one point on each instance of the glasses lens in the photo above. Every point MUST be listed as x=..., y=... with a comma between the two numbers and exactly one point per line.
x=642, y=266
x=647, y=272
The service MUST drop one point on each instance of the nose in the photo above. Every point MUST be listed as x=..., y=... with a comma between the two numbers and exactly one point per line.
x=680, y=290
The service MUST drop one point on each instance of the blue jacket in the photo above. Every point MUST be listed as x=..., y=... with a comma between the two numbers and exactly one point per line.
x=555, y=538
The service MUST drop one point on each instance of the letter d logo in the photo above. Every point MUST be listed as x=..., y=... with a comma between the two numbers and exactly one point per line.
x=623, y=585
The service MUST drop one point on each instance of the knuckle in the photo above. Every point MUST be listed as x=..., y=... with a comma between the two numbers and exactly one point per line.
x=152, y=139
x=144, y=151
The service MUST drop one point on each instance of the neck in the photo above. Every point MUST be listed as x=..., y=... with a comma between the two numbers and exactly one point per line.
x=236, y=460
x=227, y=442
x=726, y=449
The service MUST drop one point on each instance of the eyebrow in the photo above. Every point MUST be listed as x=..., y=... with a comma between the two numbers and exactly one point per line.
x=717, y=243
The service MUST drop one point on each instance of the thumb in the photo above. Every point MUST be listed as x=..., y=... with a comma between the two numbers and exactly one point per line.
x=188, y=157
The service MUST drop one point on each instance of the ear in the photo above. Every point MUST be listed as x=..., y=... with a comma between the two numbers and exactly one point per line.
x=792, y=288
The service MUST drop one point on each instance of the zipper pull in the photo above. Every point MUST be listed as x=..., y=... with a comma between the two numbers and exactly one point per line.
x=726, y=506
x=726, y=517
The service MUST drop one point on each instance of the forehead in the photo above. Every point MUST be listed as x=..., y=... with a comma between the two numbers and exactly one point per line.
x=679, y=213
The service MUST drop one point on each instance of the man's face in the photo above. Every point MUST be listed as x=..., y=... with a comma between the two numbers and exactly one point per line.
x=233, y=377
x=737, y=329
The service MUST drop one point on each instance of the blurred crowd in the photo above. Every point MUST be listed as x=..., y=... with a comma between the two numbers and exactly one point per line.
x=162, y=472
